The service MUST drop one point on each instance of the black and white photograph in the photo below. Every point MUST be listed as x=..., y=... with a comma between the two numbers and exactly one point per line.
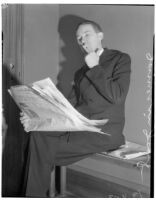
x=77, y=100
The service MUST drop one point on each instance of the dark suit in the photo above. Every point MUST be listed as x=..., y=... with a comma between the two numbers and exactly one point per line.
x=98, y=93
x=101, y=91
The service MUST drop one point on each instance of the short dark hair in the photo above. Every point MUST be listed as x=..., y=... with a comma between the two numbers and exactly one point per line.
x=96, y=26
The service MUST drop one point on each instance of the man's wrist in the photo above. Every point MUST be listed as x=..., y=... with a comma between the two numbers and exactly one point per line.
x=90, y=67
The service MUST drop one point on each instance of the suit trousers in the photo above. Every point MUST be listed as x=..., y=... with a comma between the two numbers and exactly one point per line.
x=49, y=149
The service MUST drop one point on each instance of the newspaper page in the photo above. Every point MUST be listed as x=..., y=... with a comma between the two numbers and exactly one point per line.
x=129, y=151
x=49, y=110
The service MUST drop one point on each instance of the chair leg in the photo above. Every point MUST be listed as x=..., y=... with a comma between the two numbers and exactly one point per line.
x=52, y=191
x=63, y=181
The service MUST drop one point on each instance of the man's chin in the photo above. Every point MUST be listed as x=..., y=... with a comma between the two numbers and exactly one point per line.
x=85, y=51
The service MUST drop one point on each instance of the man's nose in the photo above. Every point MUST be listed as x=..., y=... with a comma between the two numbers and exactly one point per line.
x=82, y=41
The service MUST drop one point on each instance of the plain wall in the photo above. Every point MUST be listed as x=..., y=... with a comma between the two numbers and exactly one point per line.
x=40, y=42
x=126, y=28
x=50, y=49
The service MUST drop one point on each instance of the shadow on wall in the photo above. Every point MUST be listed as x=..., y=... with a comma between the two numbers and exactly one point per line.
x=70, y=52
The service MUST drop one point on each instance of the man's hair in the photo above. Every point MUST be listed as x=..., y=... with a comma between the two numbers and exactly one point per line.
x=96, y=26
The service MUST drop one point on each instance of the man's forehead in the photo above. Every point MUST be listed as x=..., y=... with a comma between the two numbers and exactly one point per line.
x=84, y=28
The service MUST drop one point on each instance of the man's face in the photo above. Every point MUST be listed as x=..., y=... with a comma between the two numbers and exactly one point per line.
x=88, y=39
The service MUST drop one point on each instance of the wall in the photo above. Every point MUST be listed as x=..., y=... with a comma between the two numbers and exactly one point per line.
x=40, y=42
x=126, y=28
x=50, y=49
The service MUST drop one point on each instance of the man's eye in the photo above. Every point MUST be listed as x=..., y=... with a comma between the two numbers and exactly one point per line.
x=87, y=35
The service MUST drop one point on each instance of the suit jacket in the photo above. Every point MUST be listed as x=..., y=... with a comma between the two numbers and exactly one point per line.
x=100, y=92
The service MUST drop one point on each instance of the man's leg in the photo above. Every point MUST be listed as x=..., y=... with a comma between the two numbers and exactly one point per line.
x=43, y=148
x=46, y=150
x=79, y=145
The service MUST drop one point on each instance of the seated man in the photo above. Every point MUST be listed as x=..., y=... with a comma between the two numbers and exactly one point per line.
x=99, y=92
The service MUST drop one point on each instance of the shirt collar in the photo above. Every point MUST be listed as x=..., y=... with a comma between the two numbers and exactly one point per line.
x=99, y=52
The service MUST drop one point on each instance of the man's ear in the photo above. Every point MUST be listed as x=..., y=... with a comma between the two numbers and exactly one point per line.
x=101, y=35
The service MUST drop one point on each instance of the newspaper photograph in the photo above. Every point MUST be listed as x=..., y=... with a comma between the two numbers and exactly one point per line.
x=49, y=110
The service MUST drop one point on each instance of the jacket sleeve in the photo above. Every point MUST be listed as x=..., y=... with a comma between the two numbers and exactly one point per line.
x=72, y=97
x=112, y=86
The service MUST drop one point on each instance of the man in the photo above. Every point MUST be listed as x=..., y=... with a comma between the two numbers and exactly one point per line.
x=99, y=92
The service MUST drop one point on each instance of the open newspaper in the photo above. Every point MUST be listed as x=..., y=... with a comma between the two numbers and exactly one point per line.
x=49, y=110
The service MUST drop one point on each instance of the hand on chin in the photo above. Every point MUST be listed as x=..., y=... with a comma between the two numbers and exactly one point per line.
x=92, y=59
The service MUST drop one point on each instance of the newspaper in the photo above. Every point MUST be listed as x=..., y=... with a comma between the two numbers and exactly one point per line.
x=49, y=110
x=128, y=151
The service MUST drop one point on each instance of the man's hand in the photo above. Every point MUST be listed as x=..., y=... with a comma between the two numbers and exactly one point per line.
x=92, y=59
x=24, y=119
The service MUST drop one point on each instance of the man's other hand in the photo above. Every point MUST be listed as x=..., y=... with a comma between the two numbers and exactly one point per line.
x=24, y=118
